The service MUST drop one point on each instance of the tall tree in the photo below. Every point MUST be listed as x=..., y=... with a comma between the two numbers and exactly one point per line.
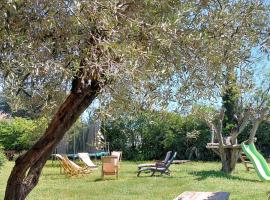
x=234, y=30
x=230, y=101
x=62, y=55
x=87, y=47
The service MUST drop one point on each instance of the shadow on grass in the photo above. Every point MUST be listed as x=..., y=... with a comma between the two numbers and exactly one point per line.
x=159, y=177
x=98, y=179
x=202, y=175
x=61, y=177
x=105, y=179
x=148, y=175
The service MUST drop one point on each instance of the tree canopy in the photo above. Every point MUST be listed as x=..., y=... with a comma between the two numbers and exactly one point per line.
x=57, y=57
x=144, y=51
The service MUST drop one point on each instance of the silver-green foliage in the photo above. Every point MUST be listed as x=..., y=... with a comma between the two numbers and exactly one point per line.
x=147, y=52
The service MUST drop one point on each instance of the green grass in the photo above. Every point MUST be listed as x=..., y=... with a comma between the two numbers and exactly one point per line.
x=193, y=176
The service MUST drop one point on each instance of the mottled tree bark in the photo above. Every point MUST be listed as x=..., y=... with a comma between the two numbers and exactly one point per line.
x=229, y=157
x=26, y=172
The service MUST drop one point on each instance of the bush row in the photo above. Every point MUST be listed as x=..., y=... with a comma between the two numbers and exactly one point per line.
x=150, y=135
x=144, y=137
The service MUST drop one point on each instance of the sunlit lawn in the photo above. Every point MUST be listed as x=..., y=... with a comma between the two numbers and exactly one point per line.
x=193, y=176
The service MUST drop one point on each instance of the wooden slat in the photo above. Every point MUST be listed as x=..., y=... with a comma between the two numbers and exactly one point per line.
x=203, y=196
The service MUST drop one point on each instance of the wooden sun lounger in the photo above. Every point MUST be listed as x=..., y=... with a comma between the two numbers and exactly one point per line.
x=84, y=157
x=70, y=168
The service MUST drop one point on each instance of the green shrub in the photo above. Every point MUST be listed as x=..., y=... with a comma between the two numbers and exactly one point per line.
x=2, y=157
x=19, y=133
x=151, y=135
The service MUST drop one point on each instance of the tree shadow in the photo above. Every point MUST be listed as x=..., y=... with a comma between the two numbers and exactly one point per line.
x=105, y=179
x=147, y=174
x=202, y=175
x=98, y=179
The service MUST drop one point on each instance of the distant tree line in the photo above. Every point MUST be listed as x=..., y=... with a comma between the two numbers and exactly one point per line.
x=150, y=135
x=146, y=136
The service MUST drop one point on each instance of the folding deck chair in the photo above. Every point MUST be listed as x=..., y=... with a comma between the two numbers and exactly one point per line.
x=160, y=167
x=118, y=155
x=84, y=157
x=71, y=168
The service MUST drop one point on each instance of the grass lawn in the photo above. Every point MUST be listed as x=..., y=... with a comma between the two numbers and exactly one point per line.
x=193, y=176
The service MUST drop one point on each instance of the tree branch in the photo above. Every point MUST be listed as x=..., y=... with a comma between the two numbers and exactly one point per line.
x=256, y=125
x=220, y=129
x=243, y=125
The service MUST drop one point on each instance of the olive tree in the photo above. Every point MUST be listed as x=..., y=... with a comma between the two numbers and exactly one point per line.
x=59, y=56
x=225, y=34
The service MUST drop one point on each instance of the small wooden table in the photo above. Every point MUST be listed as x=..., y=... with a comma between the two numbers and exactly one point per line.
x=203, y=196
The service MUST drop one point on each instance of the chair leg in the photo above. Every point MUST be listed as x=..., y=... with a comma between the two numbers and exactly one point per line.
x=102, y=175
x=153, y=173
x=138, y=174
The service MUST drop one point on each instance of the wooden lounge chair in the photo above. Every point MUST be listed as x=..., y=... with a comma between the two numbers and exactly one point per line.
x=109, y=166
x=64, y=165
x=167, y=158
x=160, y=167
x=118, y=154
x=74, y=166
x=84, y=157
x=71, y=168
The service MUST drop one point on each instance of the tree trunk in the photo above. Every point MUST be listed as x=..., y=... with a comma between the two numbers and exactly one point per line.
x=229, y=157
x=26, y=172
x=253, y=131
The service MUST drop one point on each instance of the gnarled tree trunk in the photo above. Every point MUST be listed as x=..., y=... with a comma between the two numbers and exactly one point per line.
x=26, y=172
x=229, y=157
